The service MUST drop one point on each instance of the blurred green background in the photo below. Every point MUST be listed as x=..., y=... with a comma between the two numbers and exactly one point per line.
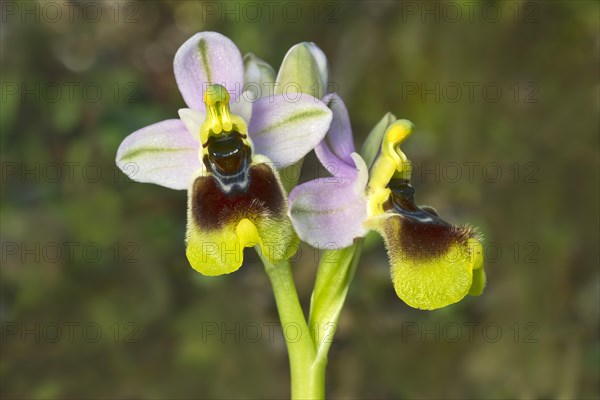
x=98, y=300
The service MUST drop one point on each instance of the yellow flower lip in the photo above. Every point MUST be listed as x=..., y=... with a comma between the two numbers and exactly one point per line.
x=433, y=263
x=219, y=119
x=221, y=224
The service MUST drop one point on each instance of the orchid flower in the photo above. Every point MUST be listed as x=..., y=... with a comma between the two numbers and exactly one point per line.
x=433, y=263
x=222, y=150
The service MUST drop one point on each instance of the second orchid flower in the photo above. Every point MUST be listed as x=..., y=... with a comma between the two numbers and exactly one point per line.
x=433, y=263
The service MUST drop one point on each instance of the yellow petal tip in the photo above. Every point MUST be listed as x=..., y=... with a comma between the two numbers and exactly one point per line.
x=247, y=233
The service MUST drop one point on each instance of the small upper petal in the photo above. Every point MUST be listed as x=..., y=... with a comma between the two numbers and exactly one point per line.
x=335, y=150
x=193, y=121
x=242, y=106
x=286, y=127
x=259, y=76
x=204, y=59
x=163, y=153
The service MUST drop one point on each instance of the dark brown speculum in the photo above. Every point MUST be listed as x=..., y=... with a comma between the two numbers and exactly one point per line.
x=419, y=231
x=212, y=208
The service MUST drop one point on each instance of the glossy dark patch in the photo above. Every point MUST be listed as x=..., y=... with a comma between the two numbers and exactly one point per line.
x=429, y=210
x=212, y=208
x=419, y=232
x=227, y=155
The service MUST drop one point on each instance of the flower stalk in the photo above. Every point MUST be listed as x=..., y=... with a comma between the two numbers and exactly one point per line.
x=308, y=348
x=307, y=382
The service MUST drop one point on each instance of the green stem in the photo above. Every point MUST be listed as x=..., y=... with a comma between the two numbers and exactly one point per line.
x=308, y=379
x=308, y=349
